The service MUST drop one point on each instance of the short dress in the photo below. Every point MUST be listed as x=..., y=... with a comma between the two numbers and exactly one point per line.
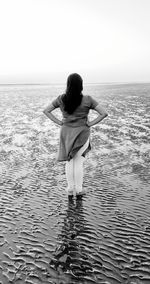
x=74, y=132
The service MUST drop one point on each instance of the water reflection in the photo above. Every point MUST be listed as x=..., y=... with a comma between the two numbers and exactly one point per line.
x=71, y=256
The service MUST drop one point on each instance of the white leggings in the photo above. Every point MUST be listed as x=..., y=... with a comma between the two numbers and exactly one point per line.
x=74, y=170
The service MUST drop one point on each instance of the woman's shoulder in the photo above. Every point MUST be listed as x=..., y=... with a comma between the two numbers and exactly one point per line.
x=90, y=101
x=60, y=97
x=86, y=98
x=58, y=101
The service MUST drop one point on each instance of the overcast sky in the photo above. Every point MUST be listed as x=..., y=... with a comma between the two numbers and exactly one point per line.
x=46, y=40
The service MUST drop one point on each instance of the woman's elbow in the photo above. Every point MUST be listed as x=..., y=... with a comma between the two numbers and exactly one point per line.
x=45, y=111
x=105, y=114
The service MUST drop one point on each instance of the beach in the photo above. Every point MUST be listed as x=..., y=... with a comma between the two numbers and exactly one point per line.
x=102, y=238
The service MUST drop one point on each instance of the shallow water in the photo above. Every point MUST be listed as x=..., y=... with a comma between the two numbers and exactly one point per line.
x=103, y=238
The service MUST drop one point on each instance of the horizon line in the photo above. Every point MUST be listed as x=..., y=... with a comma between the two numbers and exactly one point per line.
x=90, y=83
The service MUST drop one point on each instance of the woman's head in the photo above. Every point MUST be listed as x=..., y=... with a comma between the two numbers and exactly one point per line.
x=73, y=96
x=74, y=83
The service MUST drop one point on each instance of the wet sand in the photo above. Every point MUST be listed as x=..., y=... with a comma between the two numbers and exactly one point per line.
x=103, y=237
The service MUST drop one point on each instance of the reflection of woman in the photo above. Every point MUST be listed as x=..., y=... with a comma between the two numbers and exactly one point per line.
x=70, y=256
x=75, y=129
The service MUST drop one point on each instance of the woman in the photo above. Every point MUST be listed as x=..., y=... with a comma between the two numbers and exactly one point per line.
x=75, y=129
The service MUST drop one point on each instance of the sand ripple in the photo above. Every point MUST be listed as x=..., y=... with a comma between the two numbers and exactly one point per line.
x=103, y=238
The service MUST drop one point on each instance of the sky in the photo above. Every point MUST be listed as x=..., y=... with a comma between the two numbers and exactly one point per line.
x=43, y=41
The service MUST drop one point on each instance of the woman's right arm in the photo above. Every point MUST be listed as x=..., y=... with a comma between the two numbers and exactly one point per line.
x=102, y=114
x=48, y=112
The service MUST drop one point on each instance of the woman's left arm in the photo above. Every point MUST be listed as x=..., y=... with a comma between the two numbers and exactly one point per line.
x=48, y=112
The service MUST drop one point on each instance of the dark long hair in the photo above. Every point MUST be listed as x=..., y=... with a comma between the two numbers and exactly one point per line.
x=73, y=96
